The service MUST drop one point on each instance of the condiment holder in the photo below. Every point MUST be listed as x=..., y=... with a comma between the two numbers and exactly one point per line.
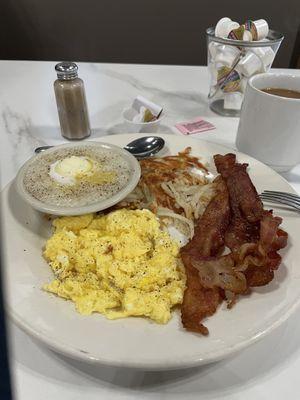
x=143, y=109
x=142, y=127
x=235, y=53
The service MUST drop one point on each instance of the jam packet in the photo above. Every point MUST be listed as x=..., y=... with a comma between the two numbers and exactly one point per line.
x=195, y=126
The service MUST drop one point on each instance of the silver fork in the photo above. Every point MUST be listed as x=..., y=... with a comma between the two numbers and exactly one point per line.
x=288, y=199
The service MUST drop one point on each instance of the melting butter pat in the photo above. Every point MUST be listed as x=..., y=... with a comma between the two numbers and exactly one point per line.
x=72, y=169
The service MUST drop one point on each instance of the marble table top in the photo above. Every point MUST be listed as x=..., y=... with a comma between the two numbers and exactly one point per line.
x=267, y=370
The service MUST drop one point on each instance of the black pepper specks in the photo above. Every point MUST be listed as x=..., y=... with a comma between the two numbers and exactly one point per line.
x=41, y=186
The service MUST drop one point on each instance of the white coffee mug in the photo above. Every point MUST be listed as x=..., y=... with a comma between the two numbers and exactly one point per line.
x=269, y=127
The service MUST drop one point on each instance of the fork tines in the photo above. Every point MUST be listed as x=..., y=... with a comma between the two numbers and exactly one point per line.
x=289, y=199
x=284, y=194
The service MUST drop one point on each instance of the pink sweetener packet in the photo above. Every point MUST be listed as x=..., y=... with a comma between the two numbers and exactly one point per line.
x=195, y=126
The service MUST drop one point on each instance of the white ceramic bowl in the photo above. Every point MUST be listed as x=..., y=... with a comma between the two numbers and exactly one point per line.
x=142, y=127
x=94, y=206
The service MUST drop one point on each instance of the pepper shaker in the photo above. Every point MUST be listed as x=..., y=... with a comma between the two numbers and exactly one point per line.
x=71, y=102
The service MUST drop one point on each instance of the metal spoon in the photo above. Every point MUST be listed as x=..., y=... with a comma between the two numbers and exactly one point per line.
x=143, y=147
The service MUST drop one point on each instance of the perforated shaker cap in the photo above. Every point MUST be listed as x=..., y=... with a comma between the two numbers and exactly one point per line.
x=66, y=70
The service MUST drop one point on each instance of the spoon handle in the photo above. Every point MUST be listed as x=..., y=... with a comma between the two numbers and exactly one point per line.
x=42, y=148
x=140, y=148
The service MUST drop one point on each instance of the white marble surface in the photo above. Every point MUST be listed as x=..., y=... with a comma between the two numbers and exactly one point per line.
x=267, y=370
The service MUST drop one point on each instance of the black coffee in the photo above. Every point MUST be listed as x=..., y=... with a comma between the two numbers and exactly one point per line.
x=292, y=94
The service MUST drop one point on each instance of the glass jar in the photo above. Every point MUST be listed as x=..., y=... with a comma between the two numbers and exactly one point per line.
x=71, y=102
x=230, y=64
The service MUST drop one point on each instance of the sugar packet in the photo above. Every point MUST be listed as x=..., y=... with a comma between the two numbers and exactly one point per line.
x=195, y=126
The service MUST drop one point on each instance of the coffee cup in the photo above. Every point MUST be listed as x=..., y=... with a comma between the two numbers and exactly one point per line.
x=269, y=127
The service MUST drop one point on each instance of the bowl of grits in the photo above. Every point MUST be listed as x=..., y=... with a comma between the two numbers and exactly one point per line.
x=76, y=178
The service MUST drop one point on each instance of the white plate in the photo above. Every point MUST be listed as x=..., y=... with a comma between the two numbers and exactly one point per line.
x=136, y=342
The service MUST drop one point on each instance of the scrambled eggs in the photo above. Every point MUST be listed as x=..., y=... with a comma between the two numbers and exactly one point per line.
x=120, y=264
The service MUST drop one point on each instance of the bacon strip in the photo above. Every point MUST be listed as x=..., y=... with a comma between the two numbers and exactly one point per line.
x=244, y=199
x=234, y=217
x=220, y=272
x=211, y=227
x=253, y=234
x=245, y=204
x=200, y=302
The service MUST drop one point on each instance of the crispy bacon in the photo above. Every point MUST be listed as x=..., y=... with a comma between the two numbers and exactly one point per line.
x=281, y=240
x=240, y=231
x=210, y=229
x=258, y=276
x=269, y=231
x=259, y=259
x=253, y=234
x=200, y=302
x=234, y=217
x=224, y=163
x=243, y=195
x=220, y=272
